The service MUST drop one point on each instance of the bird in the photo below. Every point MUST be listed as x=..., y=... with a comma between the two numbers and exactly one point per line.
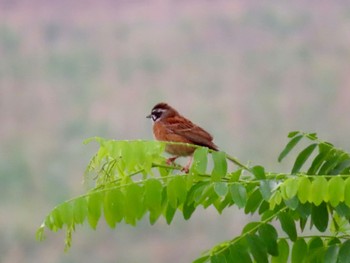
x=170, y=126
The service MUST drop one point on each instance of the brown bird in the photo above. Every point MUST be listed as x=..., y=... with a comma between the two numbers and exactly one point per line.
x=170, y=126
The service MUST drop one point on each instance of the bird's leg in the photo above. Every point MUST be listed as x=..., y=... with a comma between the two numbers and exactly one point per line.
x=171, y=160
x=186, y=169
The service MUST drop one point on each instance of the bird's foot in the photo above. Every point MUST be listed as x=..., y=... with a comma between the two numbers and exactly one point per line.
x=186, y=169
x=171, y=160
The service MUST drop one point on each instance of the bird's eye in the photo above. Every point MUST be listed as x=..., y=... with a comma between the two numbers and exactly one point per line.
x=157, y=113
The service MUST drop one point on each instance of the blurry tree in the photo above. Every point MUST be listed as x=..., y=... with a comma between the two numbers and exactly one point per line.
x=132, y=180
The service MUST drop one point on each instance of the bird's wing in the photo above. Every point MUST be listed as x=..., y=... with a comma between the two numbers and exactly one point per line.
x=190, y=131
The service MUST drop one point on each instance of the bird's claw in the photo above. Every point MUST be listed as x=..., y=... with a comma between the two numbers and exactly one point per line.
x=171, y=160
x=185, y=169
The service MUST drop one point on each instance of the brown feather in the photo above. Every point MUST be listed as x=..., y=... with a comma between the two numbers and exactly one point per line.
x=173, y=127
x=190, y=131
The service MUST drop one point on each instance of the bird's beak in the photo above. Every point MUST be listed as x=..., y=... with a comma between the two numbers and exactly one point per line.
x=149, y=116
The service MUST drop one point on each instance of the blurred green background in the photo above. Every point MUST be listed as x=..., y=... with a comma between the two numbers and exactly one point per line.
x=247, y=71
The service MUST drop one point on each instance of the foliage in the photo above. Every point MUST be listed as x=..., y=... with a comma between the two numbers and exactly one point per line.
x=132, y=180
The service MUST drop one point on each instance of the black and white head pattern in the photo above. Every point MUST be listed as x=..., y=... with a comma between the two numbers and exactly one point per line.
x=159, y=111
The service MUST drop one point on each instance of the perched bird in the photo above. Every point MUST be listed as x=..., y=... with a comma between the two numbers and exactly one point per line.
x=170, y=126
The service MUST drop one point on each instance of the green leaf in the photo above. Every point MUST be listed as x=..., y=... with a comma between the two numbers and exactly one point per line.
x=141, y=154
x=304, y=210
x=317, y=162
x=312, y=136
x=39, y=234
x=177, y=191
x=108, y=207
x=291, y=144
x=169, y=213
x=299, y=251
x=275, y=199
x=240, y=251
x=202, y=259
x=253, y=202
x=304, y=190
x=289, y=188
x=302, y=157
x=347, y=192
x=221, y=188
x=221, y=203
x=266, y=187
x=220, y=166
x=319, y=189
x=344, y=252
x=302, y=223
x=49, y=222
x=94, y=208
x=134, y=205
x=283, y=252
x=206, y=193
x=234, y=176
x=259, y=172
x=257, y=248
x=268, y=235
x=188, y=209
x=264, y=207
x=66, y=213
x=336, y=188
x=80, y=210
x=114, y=207
x=214, y=200
x=331, y=254
x=288, y=225
x=343, y=210
x=316, y=250
x=334, y=241
x=55, y=220
x=319, y=216
x=153, y=194
x=218, y=259
x=293, y=133
x=292, y=203
x=315, y=243
x=342, y=167
x=239, y=195
x=195, y=192
x=200, y=160
x=331, y=163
